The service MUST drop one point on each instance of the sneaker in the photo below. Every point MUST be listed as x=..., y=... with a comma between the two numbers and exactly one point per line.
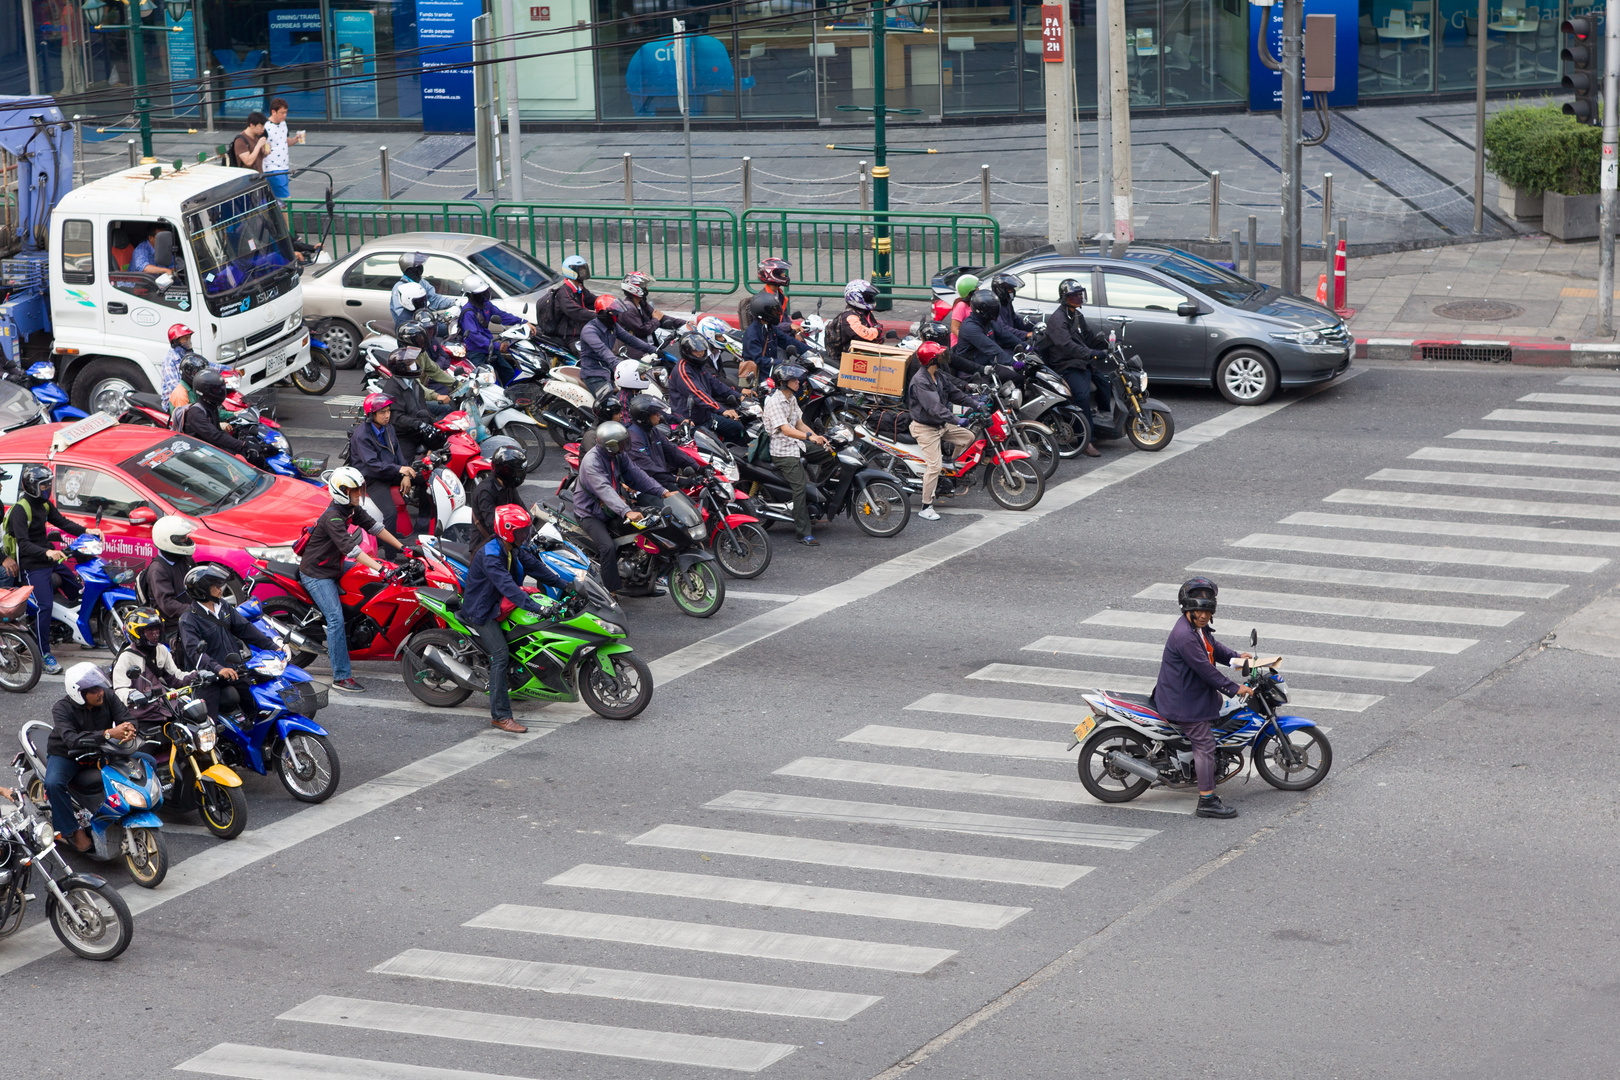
x=928, y=513
x=809, y=541
x=52, y=667
x=349, y=685
x=1211, y=806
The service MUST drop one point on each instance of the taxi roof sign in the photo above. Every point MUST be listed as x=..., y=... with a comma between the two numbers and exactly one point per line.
x=80, y=430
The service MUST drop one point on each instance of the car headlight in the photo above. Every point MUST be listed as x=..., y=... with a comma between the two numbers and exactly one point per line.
x=283, y=553
x=1304, y=337
x=272, y=666
x=232, y=350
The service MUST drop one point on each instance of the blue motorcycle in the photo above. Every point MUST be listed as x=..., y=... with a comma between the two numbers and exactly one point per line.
x=97, y=621
x=563, y=558
x=117, y=787
x=51, y=397
x=250, y=425
x=285, y=738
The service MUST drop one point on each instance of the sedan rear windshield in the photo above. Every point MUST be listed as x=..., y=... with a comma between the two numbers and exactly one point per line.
x=512, y=270
x=193, y=477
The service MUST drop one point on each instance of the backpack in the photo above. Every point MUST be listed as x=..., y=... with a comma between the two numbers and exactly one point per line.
x=177, y=416
x=230, y=154
x=303, y=540
x=837, y=336
x=8, y=545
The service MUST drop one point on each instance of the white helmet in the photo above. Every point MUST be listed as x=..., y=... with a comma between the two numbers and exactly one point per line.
x=81, y=677
x=342, y=480
x=173, y=535
x=412, y=295
x=472, y=284
x=629, y=377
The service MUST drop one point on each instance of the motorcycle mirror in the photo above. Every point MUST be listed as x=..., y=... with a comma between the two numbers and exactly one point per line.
x=1254, y=638
x=796, y=315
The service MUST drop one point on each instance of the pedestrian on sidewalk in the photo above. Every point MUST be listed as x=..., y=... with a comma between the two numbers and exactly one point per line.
x=250, y=146
x=277, y=159
x=789, y=436
x=933, y=392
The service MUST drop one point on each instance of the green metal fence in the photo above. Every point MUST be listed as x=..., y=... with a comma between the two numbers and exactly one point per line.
x=354, y=221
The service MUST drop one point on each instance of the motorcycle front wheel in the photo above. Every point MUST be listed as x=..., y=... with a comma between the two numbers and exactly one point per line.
x=1069, y=430
x=1106, y=782
x=1313, y=757
x=699, y=591
x=429, y=686
x=223, y=809
x=108, y=925
x=318, y=375
x=20, y=662
x=1037, y=439
x=743, y=551
x=308, y=767
x=1151, y=430
x=149, y=863
x=882, y=509
x=284, y=609
x=621, y=696
x=1016, y=485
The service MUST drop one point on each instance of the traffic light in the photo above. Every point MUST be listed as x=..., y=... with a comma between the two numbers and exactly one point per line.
x=1581, y=54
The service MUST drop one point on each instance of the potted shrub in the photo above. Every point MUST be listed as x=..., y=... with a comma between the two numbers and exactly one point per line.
x=1507, y=134
x=1542, y=156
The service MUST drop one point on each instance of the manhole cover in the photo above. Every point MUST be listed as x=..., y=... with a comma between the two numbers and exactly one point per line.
x=1478, y=310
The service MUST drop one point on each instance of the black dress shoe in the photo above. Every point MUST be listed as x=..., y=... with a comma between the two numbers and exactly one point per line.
x=1090, y=451
x=1211, y=806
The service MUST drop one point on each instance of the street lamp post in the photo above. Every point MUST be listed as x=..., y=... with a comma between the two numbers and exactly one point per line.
x=136, y=11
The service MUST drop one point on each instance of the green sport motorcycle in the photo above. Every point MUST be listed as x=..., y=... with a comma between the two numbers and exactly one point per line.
x=575, y=651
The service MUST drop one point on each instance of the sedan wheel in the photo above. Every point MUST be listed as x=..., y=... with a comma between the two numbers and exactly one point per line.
x=1246, y=378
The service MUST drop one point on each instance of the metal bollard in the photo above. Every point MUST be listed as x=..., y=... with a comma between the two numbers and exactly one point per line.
x=78, y=150
x=748, y=183
x=1344, y=230
x=866, y=186
x=1215, y=205
x=1330, y=244
x=1237, y=251
x=629, y=180
x=984, y=189
x=134, y=154
x=208, y=99
x=1327, y=204
x=387, y=184
x=1254, y=244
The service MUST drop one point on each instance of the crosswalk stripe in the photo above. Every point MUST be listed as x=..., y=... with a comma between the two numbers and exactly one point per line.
x=1508, y=481
x=1424, y=553
x=1597, y=462
x=672, y=1047
x=1304, y=665
x=1343, y=605
x=776, y=894
x=1548, y=438
x=955, y=742
x=1046, y=712
x=1140, y=684
x=1332, y=635
x=1605, y=400
x=706, y=937
x=271, y=1063
x=626, y=985
x=962, y=783
x=840, y=853
x=924, y=817
x=1480, y=529
x=1422, y=500
x=1379, y=579
x=1551, y=416
x=1606, y=382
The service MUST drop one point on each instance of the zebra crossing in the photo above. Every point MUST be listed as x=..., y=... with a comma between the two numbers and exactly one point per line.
x=1381, y=587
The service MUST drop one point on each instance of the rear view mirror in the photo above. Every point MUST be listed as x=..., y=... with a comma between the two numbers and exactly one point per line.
x=162, y=249
x=1254, y=638
x=143, y=516
x=892, y=335
x=796, y=314
x=1187, y=309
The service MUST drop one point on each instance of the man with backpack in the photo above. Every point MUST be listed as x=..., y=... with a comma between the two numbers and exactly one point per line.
x=25, y=542
x=569, y=308
x=856, y=322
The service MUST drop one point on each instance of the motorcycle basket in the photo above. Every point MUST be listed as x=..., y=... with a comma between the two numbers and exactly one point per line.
x=344, y=407
x=304, y=699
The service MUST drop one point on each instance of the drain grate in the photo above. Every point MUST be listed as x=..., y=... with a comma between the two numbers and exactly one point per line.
x=1478, y=310
x=1483, y=354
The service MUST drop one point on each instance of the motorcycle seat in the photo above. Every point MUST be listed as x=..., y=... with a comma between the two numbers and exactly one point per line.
x=87, y=782
x=146, y=401
x=451, y=600
x=285, y=569
x=570, y=373
x=1139, y=701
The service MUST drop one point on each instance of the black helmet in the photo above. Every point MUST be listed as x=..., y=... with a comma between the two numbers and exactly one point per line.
x=200, y=581
x=765, y=307
x=192, y=365
x=36, y=481
x=608, y=407
x=1069, y=288
x=984, y=303
x=210, y=388
x=694, y=346
x=508, y=465
x=784, y=373
x=1003, y=286
x=411, y=264
x=417, y=332
x=1198, y=594
x=407, y=362
x=644, y=406
x=613, y=437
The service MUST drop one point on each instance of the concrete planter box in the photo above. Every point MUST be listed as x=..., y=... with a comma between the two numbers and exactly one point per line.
x=1518, y=203
x=1570, y=217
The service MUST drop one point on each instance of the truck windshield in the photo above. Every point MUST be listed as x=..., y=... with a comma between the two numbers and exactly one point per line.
x=239, y=242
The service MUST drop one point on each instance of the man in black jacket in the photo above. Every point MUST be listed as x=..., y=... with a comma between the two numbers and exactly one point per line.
x=654, y=452
x=80, y=721
x=932, y=393
x=166, y=575
x=413, y=413
x=500, y=487
x=564, y=311
x=200, y=420
x=1071, y=346
x=213, y=633
x=25, y=529
x=639, y=318
x=983, y=339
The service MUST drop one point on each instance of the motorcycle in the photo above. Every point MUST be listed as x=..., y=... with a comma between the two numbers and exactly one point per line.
x=667, y=542
x=575, y=652
x=316, y=377
x=51, y=397
x=1129, y=412
x=251, y=426
x=1046, y=400
x=21, y=664
x=87, y=914
x=565, y=404
x=97, y=620
x=189, y=768
x=113, y=800
x=836, y=482
x=740, y=543
x=1128, y=749
x=548, y=546
x=1031, y=436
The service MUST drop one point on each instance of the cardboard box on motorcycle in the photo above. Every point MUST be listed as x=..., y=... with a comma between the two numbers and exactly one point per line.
x=873, y=369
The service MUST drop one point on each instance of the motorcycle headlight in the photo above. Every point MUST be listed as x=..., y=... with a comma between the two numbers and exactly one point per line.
x=730, y=472
x=44, y=833
x=486, y=376
x=134, y=797
x=207, y=736
x=281, y=553
x=1141, y=382
x=43, y=370
x=700, y=533
x=609, y=627
x=89, y=547
x=278, y=440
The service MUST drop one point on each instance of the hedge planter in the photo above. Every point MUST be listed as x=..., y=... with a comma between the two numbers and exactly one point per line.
x=1521, y=204
x=1570, y=217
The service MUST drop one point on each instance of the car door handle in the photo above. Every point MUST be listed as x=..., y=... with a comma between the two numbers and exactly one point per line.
x=352, y=303
x=116, y=308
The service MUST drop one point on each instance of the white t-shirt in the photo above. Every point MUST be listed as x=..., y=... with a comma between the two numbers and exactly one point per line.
x=276, y=158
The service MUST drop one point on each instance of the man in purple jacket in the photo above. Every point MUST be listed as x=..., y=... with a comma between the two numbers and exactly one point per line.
x=1190, y=687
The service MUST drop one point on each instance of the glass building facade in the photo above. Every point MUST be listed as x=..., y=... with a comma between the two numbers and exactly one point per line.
x=612, y=61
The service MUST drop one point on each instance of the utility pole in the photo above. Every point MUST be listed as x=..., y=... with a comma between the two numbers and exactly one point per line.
x=1479, y=126
x=1610, y=167
x=682, y=63
x=1120, y=90
x=1292, y=153
x=1062, y=208
x=514, y=126
x=1105, y=133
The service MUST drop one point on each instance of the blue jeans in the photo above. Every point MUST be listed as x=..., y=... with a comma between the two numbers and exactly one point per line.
x=43, y=595
x=493, y=639
x=328, y=596
x=59, y=773
x=278, y=184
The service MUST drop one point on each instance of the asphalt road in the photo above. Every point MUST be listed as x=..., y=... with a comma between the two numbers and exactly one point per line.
x=845, y=839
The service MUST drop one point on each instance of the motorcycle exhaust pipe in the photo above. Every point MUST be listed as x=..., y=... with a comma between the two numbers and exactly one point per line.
x=1134, y=765
x=296, y=638
x=553, y=419
x=447, y=665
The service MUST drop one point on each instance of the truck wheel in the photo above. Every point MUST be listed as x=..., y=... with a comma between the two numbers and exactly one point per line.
x=103, y=385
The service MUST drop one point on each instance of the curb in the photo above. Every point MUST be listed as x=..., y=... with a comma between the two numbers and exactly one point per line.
x=1531, y=353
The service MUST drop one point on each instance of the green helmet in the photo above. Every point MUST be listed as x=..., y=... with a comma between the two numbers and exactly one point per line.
x=965, y=285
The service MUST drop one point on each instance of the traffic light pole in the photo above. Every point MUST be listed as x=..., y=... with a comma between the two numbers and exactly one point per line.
x=1610, y=166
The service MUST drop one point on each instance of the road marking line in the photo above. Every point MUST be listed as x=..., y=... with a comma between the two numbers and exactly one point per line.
x=268, y=1063
x=1045, y=712
x=767, y=597
x=1549, y=416
x=801, y=849
x=1604, y=382
x=1425, y=553
x=1508, y=481
x=626, y=985
x=1604, y=400
x=962, y=783
x=1305, y=665
x=705, y=937
x=953, y=742
x=1552, y=438
x=1142, y=684
x=776, y=894
x=1332, y=635
x=1418, y=500
x=1602, y=463
x=1338, y=605
x=537, y=1033
x=1379, y=579
x=1482, y=529
x=923, y=817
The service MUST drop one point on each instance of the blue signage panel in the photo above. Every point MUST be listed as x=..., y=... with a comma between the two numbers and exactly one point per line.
x=355, y=35
x=1265, y=85
x=182, y=45
x=444, y=34
x=296, y=43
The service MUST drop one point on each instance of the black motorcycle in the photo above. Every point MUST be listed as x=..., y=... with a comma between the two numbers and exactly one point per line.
x=837, y=481
x=88, y=915
x=669, y=542
x=1128, y=412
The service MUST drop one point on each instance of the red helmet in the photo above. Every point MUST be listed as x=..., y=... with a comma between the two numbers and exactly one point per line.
x=928, y=350
x=376, y=403
x=178, y=331
x=775, y=271
x=609, y=306
x=513, y=524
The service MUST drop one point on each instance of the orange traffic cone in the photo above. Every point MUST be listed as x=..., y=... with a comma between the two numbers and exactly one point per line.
x=1341, y=282
x=1321, y=290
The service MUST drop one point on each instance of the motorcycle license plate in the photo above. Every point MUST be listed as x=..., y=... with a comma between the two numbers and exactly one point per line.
x=1082, y=729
